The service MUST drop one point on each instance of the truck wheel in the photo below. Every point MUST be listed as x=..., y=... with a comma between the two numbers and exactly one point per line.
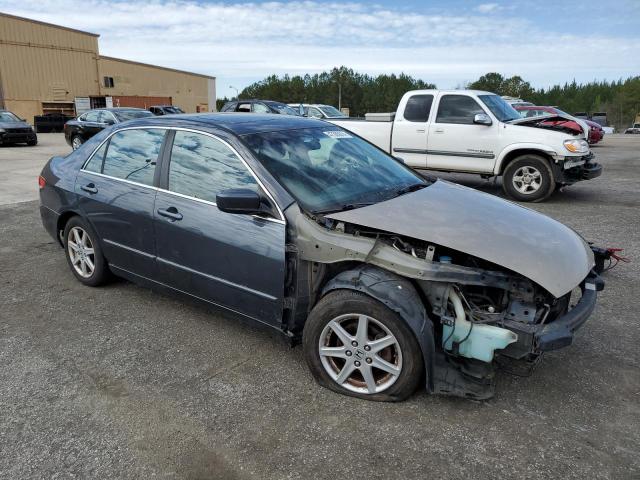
x=356, y=346
x=528, y=178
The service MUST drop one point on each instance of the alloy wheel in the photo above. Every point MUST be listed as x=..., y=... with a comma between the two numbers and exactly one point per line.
x=81, y=252
x=527, y=180
x=76, y=142
x=360, y=354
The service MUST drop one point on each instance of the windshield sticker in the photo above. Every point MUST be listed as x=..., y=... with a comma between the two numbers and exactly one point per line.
x=337, y=134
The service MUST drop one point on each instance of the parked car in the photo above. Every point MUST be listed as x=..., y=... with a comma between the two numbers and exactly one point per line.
x=81, y=129
x=165, y=110
x=14, y=129
x=258, y=106
x=389, y=279
x=318, y=110
x=478, y=132
x=633, y=129
x=592, y=130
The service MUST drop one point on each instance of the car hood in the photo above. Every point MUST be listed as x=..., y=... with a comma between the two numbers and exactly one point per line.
x=12, y=125
x=533, y=121
x=484, y=226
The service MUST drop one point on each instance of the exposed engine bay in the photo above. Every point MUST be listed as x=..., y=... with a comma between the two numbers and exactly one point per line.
x=477, y=315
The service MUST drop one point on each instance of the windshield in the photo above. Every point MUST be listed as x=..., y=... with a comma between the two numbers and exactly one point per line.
x=172, y=110
x=327, y=169
x=8, y=117
x=283, y=109
x=501, y=109
x=558, y=111
x=124, y=115
x=331, y=112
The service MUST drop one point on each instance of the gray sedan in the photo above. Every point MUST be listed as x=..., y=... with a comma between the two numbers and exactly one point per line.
x=388, y=279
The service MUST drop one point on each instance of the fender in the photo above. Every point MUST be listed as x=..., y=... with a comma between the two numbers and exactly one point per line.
x=540, y=147
x=399, y=295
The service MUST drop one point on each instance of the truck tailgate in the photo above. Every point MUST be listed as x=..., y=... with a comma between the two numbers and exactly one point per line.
x=378, y=133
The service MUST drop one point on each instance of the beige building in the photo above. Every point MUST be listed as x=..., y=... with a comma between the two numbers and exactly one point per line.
x=47, y=68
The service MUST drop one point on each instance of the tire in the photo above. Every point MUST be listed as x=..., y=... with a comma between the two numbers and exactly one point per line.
x=346, y=307
x=32, y=143
x=529, y=168
x=75, y=243
x=76, y=141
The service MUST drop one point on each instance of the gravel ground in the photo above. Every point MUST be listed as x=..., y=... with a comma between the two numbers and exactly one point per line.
x=121, y=382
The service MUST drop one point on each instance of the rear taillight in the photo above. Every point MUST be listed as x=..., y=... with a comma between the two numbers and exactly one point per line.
x=41, y=182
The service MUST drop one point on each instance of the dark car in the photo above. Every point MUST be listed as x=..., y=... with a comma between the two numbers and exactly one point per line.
x=259, y=106
x=389, y=279
x=165, y=110
x=15, y=130
x=81, y=129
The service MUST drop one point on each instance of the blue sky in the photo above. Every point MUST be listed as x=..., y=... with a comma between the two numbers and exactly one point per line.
x=444, y=42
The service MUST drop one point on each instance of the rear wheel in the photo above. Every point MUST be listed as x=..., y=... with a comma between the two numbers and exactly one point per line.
x=528, y=178
x=356, y=346
x=76, y=141
x=83, y=253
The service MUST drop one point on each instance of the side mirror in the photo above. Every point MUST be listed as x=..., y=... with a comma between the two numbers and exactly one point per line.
x=239, y=200
x=482, y=119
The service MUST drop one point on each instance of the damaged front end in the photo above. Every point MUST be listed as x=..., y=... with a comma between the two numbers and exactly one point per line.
x=470, y=315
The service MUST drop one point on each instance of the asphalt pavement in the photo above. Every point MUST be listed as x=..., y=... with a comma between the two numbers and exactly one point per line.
x=121, y=382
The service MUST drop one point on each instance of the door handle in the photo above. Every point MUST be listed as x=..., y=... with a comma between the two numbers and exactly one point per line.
x=420, y=130
x=439, y=130
x=90, y=187
x=171, y=213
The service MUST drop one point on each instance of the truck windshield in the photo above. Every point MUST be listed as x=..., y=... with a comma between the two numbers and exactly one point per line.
x=332, y=112
x=501, y=109
x=328, y=169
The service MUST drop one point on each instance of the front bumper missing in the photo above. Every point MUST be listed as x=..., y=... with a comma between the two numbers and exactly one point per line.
x=560, y=332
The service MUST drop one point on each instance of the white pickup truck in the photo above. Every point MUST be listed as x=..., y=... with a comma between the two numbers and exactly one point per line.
x=478, y=132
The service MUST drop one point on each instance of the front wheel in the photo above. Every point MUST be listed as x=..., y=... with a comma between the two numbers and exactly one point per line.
x=356, y=346
x=528, y=178
x=32, y=143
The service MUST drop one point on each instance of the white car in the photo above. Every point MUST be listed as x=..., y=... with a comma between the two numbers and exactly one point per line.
x=478, y=132
x=318, y=110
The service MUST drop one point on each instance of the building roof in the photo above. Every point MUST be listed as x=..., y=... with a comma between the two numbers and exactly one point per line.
x=132, y=62
x=47, y=24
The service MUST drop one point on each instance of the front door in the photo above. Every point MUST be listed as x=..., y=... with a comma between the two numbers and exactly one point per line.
x=456, y=142
x=231, y=260
x=117, y=196
x=409, y=140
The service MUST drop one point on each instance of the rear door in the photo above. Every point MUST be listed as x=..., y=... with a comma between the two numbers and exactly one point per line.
x=117, y=193
x=410, y=131
x=456, y=143
x=231, y=260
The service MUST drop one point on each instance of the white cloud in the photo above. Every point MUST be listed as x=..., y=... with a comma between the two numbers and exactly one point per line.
x=487, y=7
x=240, y=43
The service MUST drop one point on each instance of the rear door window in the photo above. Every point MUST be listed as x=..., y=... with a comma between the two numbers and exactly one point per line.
x=260, y=108
x=202, y=166
x=132, y=154
x=95, y=162
x=458, y=109
x=418, y=108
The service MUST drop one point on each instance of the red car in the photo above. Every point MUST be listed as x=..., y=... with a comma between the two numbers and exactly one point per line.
x=595, y=131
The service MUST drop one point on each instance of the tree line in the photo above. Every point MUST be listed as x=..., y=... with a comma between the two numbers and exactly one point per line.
x=363, y=93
